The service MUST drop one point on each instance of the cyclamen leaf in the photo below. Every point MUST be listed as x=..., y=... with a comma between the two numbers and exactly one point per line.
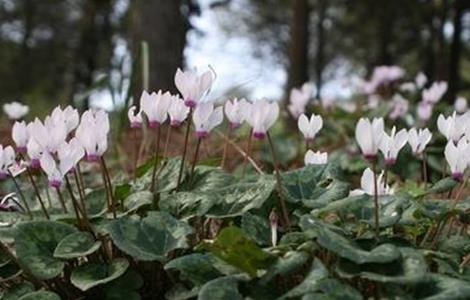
x=75, y=245
x=151, y=237
x=90, y=275
x=35, y=243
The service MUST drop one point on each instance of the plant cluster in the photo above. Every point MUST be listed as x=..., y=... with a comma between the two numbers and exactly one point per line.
x=170, y=229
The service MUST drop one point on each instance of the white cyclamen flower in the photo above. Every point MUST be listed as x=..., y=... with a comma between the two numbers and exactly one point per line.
x=367, y=185
x=15, y=110
x=49, y=135
x=399, y=107
x=20, y=136
x=421, y=80
x=69, y=116
x=452, y=127
x=310, y=128
x=299, y=99
x=35, y=152
x=369, y=135
x=418, y=140
x=424, y=110
x=92, y=133
x=193, y=86
x=69, y=154
x=457, y=157
x=315, y=158
x=236, y=111
x=135, y=119
x=178, y=111
x=206, y=118
x=155, y=106
x=461, y=105
x=435, y=92
x=7, y=159
x=263, y=114
x=391, y=144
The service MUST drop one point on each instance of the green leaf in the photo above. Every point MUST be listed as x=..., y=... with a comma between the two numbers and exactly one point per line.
x=180, y=292
x=257, y=228
x=40, y=295
x=439, y=287
x=95, y=203
x=138, y=199
x=230, y=201
x=166, y=180
x=18, y=290
x=197, y=268
x=224, y=288
x=442, y=186
x=347, y=248
x=90, y=275
x=232, y=246
x=207, y=179
x=151, y=237
x=291, y=262
x=75, y=245
x=124, y=287
x=35, y=243
x=410, y=269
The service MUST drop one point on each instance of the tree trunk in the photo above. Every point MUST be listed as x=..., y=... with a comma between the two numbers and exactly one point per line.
x=298, y=59
x=455, y=51
x=320, y=57
x=162, y=24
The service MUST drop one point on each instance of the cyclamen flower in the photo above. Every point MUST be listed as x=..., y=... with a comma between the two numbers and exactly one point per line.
x=315, y=158
x=391, y=144
x=15, y=110
x=35, y=152
x=192, y=86
x=69, y=116
x=435, y=92
x=399, y=107
x=155, y=106
x=263, y=114
x=69, y=155
x=206, y=118
x=420, y=80
x=299, y=99
x=382, y=75
x=424, y=110
x=178, y=111
x=457, y=157
x=236, y=111
x=7, y=158
x=452, y=127
x=461, y=105
x=418, y=140
x=310, y=128
x=92, y=133
x=367, y=185
x=49, y=135
x=134, y=119
x=20, y=136
x=369, y=136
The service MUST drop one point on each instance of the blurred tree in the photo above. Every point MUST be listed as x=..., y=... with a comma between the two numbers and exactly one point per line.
x=163, y=24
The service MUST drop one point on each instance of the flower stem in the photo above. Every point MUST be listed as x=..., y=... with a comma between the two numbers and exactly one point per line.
x=76, y=208
x=224, y=155
x=38, y=194
x=155, y=164
x=110, y=185
x=425, y=170
x=307, y=146
x=167, y=141
x=80, y=178
x=248, y=153
x=23, y=199
x=136, y=153
x=376, y=201
x=385, y=176
x=61, y=200
x=185, y=149
x=279, y=184
x=81, y=192
x=196, y=152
